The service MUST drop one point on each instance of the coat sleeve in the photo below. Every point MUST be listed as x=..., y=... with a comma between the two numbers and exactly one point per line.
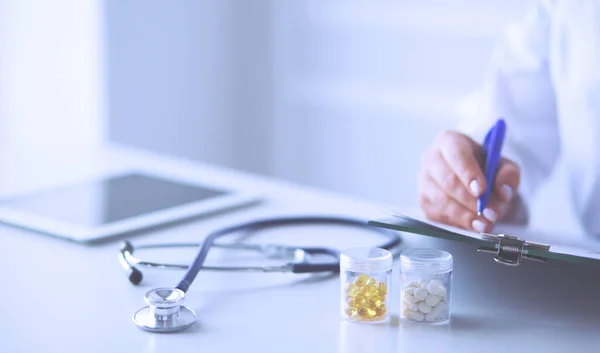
x=518, y=88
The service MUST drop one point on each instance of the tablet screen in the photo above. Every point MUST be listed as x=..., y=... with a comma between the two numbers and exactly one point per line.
x=110, y=200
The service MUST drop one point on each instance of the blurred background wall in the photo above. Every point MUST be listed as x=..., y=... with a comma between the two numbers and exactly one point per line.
x=342, y=95
x=51, y=120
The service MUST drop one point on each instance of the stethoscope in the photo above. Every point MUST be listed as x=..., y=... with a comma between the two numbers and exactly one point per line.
x=165, y=312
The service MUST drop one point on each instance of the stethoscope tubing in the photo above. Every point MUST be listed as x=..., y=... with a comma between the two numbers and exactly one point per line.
x=127, y=259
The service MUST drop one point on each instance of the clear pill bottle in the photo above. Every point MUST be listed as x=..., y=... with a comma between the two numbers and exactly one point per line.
x=425, y=284
x=365, y=275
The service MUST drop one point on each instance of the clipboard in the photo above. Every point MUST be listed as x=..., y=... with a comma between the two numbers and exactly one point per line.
x=507, y=249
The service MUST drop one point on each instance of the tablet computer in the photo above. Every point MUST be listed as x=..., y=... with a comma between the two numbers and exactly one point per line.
x=116, y=205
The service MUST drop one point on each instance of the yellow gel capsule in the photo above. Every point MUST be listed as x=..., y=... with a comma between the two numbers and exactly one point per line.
x=375, y=302
x=361, y=279
x=369, y=291
x=382, y=288
x=350, y=286
x=353, y=292
x=381, y=310
x=371, y=313
x=360, y=301
x=351, y=311
x=371, y=282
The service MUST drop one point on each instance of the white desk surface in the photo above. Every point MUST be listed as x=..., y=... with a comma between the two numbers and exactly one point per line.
x=58, y=296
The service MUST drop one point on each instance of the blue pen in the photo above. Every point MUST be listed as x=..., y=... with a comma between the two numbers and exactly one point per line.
x=492, y=152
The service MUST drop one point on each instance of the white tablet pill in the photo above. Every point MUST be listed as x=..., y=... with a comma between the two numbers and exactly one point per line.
x=422, y=281
x=409, y=290
x=433, y=288
x=420, y=294
x=411, y=298
x=439, y=311
x=436, y=282
x=410, y=306
x=414, y=284
x=404, y=313
x=443, y=292
x=417, y=316
x=424, y=308
x=432, y=300
x=431, y=316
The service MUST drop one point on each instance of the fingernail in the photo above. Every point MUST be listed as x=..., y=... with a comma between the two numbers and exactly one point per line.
x=507, y=191
x=478, y=225
x=490, y=215
x=475, y=188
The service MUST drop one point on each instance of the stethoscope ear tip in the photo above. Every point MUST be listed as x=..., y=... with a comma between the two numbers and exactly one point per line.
x=135, y=276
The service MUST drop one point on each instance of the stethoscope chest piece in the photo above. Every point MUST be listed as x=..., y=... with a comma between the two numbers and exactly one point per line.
x=164, y=312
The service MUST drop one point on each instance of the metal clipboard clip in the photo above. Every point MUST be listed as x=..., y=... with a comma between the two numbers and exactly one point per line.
x=511, y=250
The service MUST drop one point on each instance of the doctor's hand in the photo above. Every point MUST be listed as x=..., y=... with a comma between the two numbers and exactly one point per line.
x=451, y=179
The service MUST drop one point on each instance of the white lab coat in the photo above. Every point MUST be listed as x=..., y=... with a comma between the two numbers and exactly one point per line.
x=544, y=80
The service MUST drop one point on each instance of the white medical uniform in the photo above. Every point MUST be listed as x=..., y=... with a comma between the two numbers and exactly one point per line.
x=544, y=80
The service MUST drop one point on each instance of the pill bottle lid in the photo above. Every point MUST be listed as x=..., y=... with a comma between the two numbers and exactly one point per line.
x=366, y=259
x=426, y=260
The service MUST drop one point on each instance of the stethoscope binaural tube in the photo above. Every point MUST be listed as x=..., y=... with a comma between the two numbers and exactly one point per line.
x=298, y=264
x=131, y=263
x=196, y=265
